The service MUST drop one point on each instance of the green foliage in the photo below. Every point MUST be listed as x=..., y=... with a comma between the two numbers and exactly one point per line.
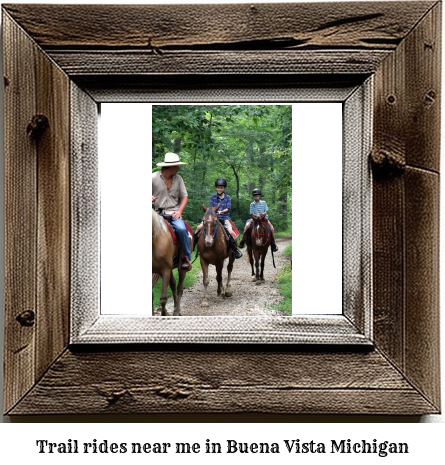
x=287, y=252
x=249, y=145
x=285, y=288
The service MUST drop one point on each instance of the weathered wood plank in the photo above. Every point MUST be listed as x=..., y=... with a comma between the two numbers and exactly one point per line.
x=388, y=268
x=423, y=92
x=422, y=281
x=276, y=25
x=78, y=62
x=406, y=133
x=53, y=226
x=20, y=213
x=223, y=382
x=84, y=181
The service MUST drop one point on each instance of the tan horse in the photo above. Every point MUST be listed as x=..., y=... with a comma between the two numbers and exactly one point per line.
x=213, y=250
x=163, y=250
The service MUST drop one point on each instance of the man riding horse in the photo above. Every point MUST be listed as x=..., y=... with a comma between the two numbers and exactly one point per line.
x=170, y=197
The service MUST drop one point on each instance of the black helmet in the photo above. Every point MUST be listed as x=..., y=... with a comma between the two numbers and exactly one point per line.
x=221, y=182
x=256, y=192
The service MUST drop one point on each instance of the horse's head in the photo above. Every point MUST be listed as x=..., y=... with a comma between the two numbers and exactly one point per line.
x=260, y=231
x=210, y=224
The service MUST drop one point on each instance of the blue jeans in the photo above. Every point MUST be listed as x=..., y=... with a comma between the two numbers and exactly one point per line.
x=183, y=236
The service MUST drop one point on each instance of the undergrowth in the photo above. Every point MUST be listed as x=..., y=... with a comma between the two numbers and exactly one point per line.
x=285, y=284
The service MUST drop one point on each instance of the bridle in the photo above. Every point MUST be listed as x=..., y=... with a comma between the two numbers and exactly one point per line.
x=258, y=235
x=215, y=232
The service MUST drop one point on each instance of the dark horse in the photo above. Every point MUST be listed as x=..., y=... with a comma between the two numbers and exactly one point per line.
x=163, y=251
x=213, y=250
x=257, y=247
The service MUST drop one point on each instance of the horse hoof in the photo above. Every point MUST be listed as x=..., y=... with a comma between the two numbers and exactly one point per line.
x=253, y=279
x=259, y=282
x=229, y=294
x=204, y=304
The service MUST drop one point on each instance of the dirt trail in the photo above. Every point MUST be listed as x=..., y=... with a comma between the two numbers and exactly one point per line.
x=248, y=299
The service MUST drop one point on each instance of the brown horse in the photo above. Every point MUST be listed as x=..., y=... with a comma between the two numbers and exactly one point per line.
x=260, y=239
x=163, y=250
x=212, y=247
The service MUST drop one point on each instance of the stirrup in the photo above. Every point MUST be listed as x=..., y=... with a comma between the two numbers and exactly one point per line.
x=186, y=265
x=237, y=253
x=274, y=248
x=241, y=245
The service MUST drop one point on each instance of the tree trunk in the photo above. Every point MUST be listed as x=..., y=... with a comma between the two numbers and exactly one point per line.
x=262, y=166
x=177, y=145
x=237, y=188
x=249, y=157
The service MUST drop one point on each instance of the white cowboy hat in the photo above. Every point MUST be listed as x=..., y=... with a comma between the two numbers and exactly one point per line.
x=171, y=159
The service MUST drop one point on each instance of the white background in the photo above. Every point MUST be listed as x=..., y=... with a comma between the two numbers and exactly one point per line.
x=17, y=440
x=124, y=160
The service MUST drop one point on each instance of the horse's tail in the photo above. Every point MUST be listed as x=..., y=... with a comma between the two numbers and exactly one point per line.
x=154, y=279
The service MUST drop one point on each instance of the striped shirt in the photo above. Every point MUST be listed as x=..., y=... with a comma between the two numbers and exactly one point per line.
x=258, y=207
x=224, y=203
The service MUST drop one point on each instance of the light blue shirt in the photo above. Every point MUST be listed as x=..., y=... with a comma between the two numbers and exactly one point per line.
x=259, y=207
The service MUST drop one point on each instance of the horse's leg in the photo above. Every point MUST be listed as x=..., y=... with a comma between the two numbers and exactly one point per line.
x=163, y=299
x=205, y=281
x=229, y=273
x=219, y=268
x=175, y=294
x=251, y=260
x=263, y=257
x=257, y=264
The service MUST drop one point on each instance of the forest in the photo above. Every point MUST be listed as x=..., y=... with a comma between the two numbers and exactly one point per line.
x=248, y=145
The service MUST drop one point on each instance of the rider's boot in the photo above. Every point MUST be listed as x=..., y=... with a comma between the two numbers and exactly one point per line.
x=185, y=263
x=235, y=252
x=274, y=244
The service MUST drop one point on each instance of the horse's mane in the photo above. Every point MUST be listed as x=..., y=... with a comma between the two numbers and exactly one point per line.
x=158, y=224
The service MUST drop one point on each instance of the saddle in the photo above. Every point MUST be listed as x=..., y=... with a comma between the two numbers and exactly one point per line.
x=180, y=257
x=168, y=221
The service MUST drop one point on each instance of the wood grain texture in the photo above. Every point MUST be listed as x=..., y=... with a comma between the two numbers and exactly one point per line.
x=223, y=382
x=398, y=42
x=423, y=92
x=20, y=213
x=53, y=225
x=275, y=25
x=99, y=63
x=422, y=281
x=406, y=245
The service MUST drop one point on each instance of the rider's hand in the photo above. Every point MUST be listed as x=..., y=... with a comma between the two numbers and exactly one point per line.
x=176, y=215
x=153, y=198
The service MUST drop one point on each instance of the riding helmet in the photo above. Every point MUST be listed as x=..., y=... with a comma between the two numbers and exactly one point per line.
x=256, y=192
x=221, y=182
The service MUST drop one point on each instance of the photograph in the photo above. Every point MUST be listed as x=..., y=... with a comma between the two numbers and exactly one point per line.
x=221, y=175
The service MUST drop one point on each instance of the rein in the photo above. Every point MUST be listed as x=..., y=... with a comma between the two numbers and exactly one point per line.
x=215, y=232
x=256, y=235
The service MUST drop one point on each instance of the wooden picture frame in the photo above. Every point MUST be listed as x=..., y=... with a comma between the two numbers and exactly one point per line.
x=77, y=55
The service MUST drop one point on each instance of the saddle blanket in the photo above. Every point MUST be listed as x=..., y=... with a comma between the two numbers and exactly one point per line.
x=234, y=229
x=172, y=232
